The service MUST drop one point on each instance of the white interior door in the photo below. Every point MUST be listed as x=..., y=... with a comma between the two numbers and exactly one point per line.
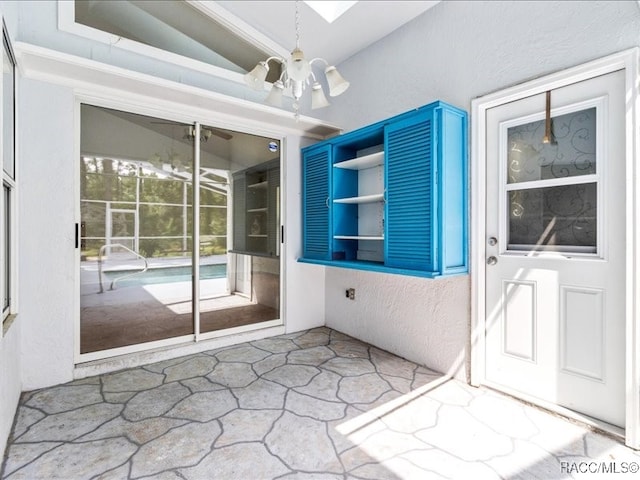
x=555, y=292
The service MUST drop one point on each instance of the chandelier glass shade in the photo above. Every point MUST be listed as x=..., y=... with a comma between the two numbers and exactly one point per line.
x=297, y=74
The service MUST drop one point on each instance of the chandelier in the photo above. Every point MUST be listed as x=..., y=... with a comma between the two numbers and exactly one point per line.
x=297, y=74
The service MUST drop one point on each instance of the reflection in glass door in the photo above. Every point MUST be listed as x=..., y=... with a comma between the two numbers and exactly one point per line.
x=250, y=181
x=135, y=269
x=123, y=228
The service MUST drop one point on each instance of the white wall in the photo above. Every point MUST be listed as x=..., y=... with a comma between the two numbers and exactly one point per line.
x=423, y=320
x=460, y=50
x=10, y=367
x=304, y=297
x=9, y=380
x=47, y=200
x=454, y=52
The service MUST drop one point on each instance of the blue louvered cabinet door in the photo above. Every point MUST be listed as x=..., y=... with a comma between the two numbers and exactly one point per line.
x=316, y=213
x=411, y=198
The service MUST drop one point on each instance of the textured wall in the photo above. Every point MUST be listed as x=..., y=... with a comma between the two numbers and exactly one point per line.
x=10, y=384
x=454, y=52
x=460, y=50
x=47, y=200
x=423, y=320
x=10, y=365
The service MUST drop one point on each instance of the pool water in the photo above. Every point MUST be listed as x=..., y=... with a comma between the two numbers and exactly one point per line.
x=165, y=275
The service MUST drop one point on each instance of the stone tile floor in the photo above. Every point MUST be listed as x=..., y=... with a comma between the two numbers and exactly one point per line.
x=315, y=405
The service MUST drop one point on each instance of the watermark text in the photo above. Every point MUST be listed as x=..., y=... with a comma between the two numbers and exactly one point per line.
x=608, y=467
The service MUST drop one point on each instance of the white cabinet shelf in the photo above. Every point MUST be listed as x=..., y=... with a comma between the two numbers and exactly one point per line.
x=377, y=197
x=362, y=163
x=256, y=210
x=358, y=237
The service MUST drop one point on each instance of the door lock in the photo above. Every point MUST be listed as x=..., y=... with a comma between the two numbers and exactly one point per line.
x=493, y=241
x=492, y=260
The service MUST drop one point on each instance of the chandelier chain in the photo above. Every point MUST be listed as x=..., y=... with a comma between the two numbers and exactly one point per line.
x=297, y=25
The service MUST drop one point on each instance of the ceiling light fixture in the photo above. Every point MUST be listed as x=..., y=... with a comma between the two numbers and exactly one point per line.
x=297, y=73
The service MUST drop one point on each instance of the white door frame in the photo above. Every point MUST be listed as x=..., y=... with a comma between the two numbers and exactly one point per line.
x=629, y=60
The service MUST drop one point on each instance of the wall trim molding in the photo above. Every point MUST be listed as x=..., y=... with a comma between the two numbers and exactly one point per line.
x=100, y=80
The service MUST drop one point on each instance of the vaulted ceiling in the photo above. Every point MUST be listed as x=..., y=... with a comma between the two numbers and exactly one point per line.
x=237, y=34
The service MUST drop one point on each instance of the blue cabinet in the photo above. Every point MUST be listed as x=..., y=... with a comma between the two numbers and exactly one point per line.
x=390, y=197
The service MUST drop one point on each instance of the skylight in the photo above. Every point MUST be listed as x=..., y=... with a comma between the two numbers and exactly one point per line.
x=330, y=10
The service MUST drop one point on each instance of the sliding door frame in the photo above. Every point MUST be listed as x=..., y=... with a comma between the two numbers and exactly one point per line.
x=188, y=115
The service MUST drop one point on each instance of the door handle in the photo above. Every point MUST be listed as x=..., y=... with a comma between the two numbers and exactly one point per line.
x=492, y=260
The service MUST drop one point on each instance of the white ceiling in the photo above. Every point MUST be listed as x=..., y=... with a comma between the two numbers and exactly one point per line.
x=362, y=25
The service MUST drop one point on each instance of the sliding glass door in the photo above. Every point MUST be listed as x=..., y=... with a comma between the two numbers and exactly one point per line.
x=251, y=181
x=136, y=259
x=139, y=202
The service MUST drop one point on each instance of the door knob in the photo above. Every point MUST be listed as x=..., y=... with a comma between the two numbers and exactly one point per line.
x=492, y=260
x=492, y=241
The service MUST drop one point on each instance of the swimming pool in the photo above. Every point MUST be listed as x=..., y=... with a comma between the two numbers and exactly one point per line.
x=158, y=275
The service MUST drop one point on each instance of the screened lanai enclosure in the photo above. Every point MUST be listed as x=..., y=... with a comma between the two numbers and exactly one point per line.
x=142, y=211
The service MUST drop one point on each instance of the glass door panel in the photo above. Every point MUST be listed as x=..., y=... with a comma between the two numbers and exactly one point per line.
x=135, y=267
x=552, y=187
x=562, y=217
x=239, y=226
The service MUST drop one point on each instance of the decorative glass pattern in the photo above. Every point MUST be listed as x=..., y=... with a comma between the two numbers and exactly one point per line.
x=572, y=151
x=560, y=211
x=556, y=217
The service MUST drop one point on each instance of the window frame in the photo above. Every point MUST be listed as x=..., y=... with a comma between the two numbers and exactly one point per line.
x=8, y=241
x=67, y=23
x=599, y=251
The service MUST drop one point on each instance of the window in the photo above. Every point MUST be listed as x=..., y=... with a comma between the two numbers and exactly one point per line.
x=202, y=36
x=8, y=177
x=552, y=187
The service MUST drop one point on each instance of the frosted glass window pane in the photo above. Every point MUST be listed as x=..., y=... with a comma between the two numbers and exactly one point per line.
x=572, y=151
x=561, y=217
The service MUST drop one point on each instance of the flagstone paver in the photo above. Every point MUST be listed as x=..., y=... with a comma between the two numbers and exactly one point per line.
x=313, y=405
